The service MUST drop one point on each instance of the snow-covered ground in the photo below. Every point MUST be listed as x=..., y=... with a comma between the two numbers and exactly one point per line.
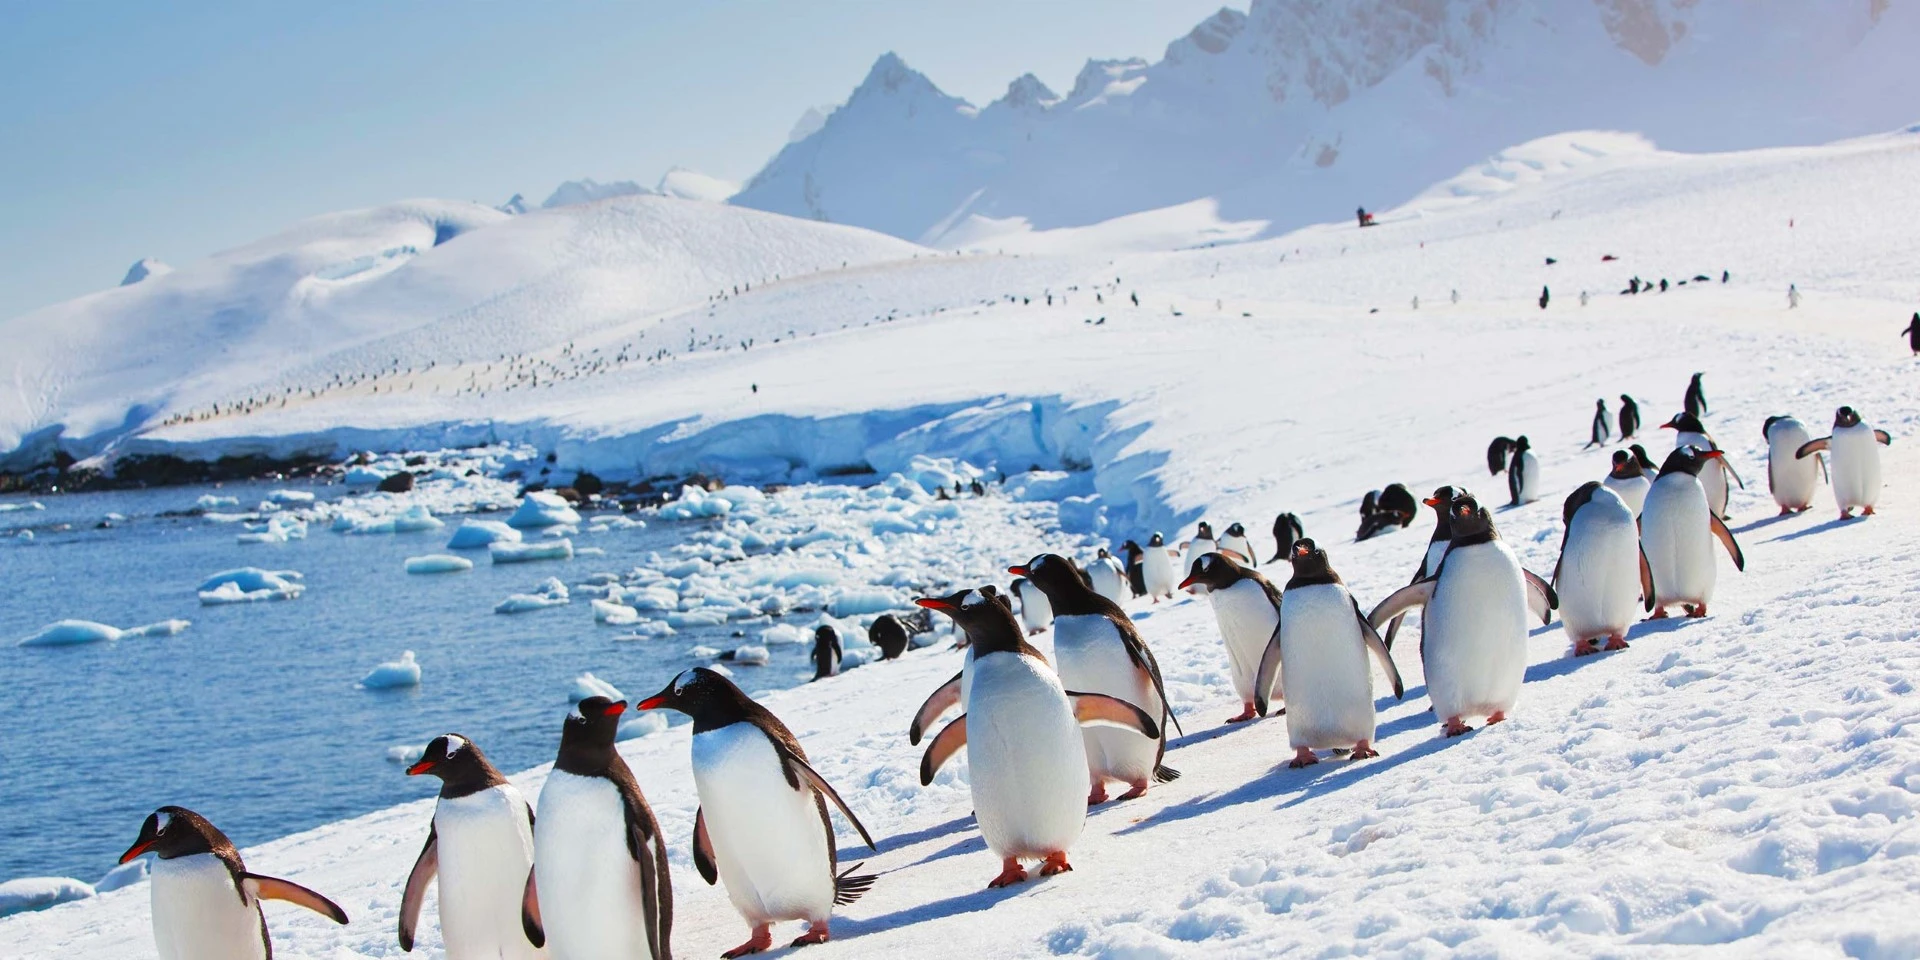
x=1742, y=780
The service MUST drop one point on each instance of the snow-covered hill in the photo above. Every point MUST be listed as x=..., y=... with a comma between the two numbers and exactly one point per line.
x=1297, y=111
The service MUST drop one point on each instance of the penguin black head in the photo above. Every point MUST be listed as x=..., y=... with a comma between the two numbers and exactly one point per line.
x=1310, y=565
x=459, y=764
x=1577, y=499
x=1640, y=456
x=171, y=832
x=1686, y=422
x=587, y=735
x=1204, y=531
x=1625, y=466
x=1442, y=497
x=825, y=633
x=1845, y=417
x=1055, y=576
x=1216, y=571
x=1471, y=522
x=1521, y=445
x=1156, y=540
x=1237, y=530
x=1766, y=429
x=1103, y=554
x=1688, y=460
x=1131, y=549
x=985, y=617
x=705, y=695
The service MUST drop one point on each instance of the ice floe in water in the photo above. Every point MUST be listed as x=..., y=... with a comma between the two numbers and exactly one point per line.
x=290, y=497
x=28, y=505
x=438, y=563
x=525, y=552
x=404, y=672
x=65, y=633
x=414, y=519
x=250, y=584
x=550, y=593
x=39, y=893
x=614, y=614
x=542, y=509
x=587, y=685
x=214, y=501
x=649, y=630
x=279, y=528
x=475, y=534
x=752, y=655
x=406, y=753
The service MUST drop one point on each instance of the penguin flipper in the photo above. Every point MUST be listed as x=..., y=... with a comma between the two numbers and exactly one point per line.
x=274, y=888
x=937, y=703
x=648, y=849
x=944, y=745
x=1885, y=438
x=530, y=913
x=1400, y=601
x=1727, y=465
x=1264, y=679
x=1143, y=659
x=1811, y=447
x=1726, y=538
x=1541, y=599
x=809, y=774
x=1646, y=580
x=416, y=890
x=703, y=849
x=1098, y=708
x=1378, y=648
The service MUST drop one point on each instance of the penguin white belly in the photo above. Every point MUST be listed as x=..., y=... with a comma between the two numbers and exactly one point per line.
x=198, y=914
x=589, y=885
x=1600, y=571
x=1109, y=580
x=1713, y=473
x=1474, y=644
x=1530, y=485
x=1027, y=766
x=1036, y=613
x=768, y=840
x=1675, y=532
x=1330, y=691
x=1247, y=620
x=1156, y=568
x=1093, y=659
x=1856, y=466
x=484, y=843
x=1633, y=490
x=1791, y=480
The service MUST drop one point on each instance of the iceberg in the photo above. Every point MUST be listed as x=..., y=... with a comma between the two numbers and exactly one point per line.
x=290, y=497
x=250, y=584
x=542, y=509
x=474, y=534
x=852, y=603
x=649, y=630
x=124, y=875
x=363, y=476
x=404, y=672
x=214, y=502
x=550, y=593
x=614, y=614
x=279, y=528
x=39, y=893
x=751, y=655
x=587, y=685
x=438, y=563
x=525, y=552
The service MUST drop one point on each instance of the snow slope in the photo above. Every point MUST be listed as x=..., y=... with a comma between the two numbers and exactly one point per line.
x=1740, y=785
x=1297, y=111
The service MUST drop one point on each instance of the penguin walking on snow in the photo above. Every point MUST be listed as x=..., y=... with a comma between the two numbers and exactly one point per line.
x=1097, y=649
x=205, y=904
x=1156, y=568
x=1234, y=543
x=762, y=826
x=827, y=652
x=1108, y=579
x=1601, y=430
x=480, y=847
x=1855, y=449
x=1523, y=469
x=1913, y=334
x=1035, y=612
x=1022, y=729
x=1436, y=551
x=1286, y=530
x=1695, y=401
x=1677, y=530
x=1473, y=638
x=1688, y=432
x=1324, y=646
x=1247, y=607
x=954, y=691
x=1628, y=480
x=1601, y=578
x=1629, y=417
x=1136, y=572
x=1202, y=544
x=599, y=885
x=1789, y=478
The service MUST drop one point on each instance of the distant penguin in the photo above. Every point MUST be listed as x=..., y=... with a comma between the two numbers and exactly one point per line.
x=1629, y=417
x=1026, y=757
x=1247, y=608
x=1696, y=398
x=1035, y=612
x=1156, y=568
x=762, y=827
x=889, y=635
x=481, y=846
x=1436, y=550
x=1392, y=508
x=1854, y=448
x=1628, y=480
x=1097, y=649
x=1136, y=572
x=1473, y=641
x=205, y=904
x=1325, y=649
x=1790, y=478
x=1202, y=544
x=1234, y=542
x=600, y=885
x=1521, y=466
x=1912, y=333
x=826, y=652
x=1286, y=529
x=1601, y=577
x=1545, y=297
x=1677, y=530
x=1688, y=432
x=1602, y=428
x=1108, y=579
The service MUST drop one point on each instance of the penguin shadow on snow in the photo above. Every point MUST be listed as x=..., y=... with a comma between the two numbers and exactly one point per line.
x=901, y=841
x=1764, y=522
x=1817, y=528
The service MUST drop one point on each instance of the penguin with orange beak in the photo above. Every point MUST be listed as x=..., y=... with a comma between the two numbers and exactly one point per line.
x=480, y=848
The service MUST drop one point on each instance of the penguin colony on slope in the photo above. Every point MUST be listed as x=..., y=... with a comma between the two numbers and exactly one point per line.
x=1046, y=731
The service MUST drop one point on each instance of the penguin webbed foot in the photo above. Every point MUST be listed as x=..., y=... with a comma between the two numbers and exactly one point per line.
x=1056, y=864
x=1246, y=713
x=1363, y=751
x=1866, y=511
x=1696, y=611
x=1496, y=717
x=1617, y=642
x=1097, y=796
x=816, y=933
x=762, y=939
x=1302, y=757
x=1011, y=872
x=1137, y=790
x=1454, y=727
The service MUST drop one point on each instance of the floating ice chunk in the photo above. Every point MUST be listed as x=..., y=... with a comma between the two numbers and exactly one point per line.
x=214, y=502
x=751, y=655
x=590, y=552
x=66, y=633
x=852, y=603
x=165, y=628
x=587, y=685
x=524, y=552
x=614, y=614
x=24, y=535
x=406, y=753
x=550, y=593
x=643, y=725
x=773, y=605
x=39, y=893
x=284, y=497
x=704, y=652
x=363, y=476
x=694, y=503
x=124, y=875
x=438, y=563
x=250, y=584
x=781, y=634
x=696, y=618
x=649, y=630
x=614, y=521
x=807, y=578
x=689, y=568
x=417, y=519
x=542, y=509
x=34, y=505
x=474, y=534
x=738, y=496
x=279, y=528
x=653, y=599
x=404, y=672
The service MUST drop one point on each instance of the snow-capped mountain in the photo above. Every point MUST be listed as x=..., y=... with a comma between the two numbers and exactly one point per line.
x=1297, y=111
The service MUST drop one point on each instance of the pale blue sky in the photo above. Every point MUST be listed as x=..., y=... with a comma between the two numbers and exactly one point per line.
x=133, y=130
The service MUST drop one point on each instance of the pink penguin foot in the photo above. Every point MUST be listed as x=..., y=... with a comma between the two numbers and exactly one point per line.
x=816, y=933
x=1011, y=872
x=1246, y=713
x=1454, y=727
x=1135, y=790
x=762, y=939
x=1097, y=796
x=1302, y=757
x=1496, y=717
x=1363, y=751
x=1056, y=863
x=1617, y=642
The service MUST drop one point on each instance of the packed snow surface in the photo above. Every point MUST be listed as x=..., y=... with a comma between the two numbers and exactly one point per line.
x=38, y=893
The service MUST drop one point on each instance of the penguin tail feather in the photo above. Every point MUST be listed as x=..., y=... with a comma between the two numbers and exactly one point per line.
x=847, y=888
x=1165, y=774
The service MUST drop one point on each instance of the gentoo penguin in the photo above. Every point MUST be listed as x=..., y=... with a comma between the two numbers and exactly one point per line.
x=889, y=635
x=1247, y=607
x=1203, y=543
x=1025, y=750
x=1688, y=432
x=1286, y=529
x=1107, y=577
x=481, y=847
x=1602, y=429
x=1322, y=646
x=762, y=826
x=1856, y=461
x=1601, y=577
x=1392, y=507
x=1473, y=638
x=1677, y=530
x=1035, y=612
x=1523, y=469
x=205, y=903
x=1234, y=543
x=1136, y=574
x=1629, y=417
x=1913, y=334
x=1695, y=401
x=1156, y=567
x=599, y=886
x=1790, y=478
x=1429, y=566
x=826, y=652
x=1097, y=649
x=954, y=691
x=1628, y=480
